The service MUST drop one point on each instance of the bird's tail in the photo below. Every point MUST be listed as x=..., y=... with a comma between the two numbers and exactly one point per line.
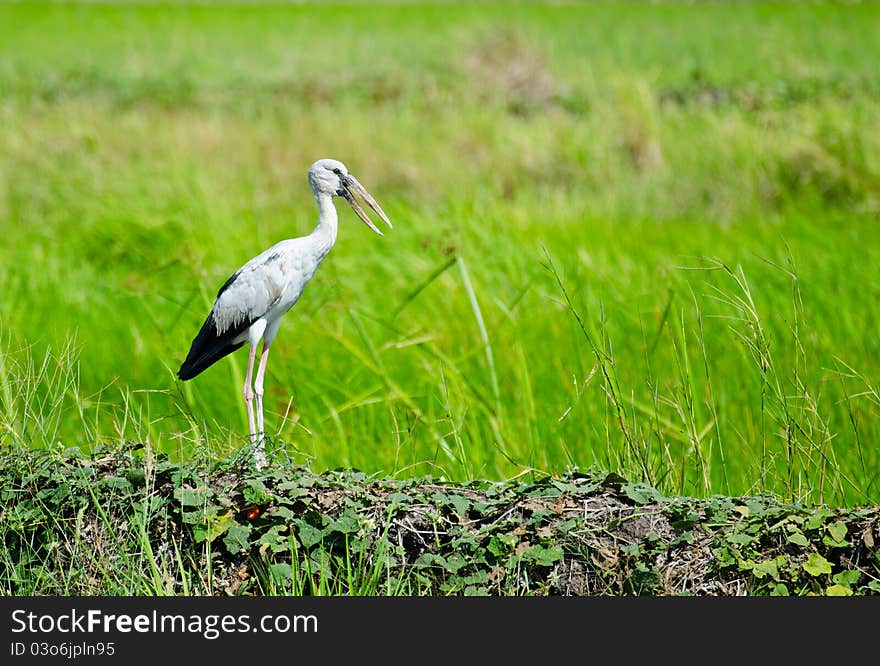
x=207, y=348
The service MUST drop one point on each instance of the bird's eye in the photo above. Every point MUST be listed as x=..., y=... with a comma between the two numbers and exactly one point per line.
x=337, y=171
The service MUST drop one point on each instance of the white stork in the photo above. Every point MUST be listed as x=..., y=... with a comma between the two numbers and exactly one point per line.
x=250, y=304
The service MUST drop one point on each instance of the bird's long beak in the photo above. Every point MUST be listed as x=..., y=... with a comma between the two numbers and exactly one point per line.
x=353, y=187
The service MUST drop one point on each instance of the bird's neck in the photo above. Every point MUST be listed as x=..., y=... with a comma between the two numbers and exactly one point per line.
x=328, y=222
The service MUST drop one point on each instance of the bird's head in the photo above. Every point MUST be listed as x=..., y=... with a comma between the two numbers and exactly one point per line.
x=331, y=177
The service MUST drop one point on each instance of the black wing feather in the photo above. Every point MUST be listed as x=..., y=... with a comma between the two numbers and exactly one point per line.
x=209, y=346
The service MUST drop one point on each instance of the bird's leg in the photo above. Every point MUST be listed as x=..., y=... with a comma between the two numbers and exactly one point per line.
x=260, y=450
x=249, y=393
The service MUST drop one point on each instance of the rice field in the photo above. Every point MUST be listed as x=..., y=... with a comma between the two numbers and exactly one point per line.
x=638, y=238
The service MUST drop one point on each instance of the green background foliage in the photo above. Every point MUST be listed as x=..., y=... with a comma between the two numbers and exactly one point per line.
x=643, y=237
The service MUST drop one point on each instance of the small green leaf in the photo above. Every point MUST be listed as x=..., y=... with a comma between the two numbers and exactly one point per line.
x=724, y=556
x=798, y=539
x=453, y=563
x=347, y=523
x=501, y=544
x=218, y=525
x=613, y=479
x=237, y=538
x=255, y=492
x=641, y=493
x=816, y=565
x=283, y=512
x=427, y=560
x=741, y=539
x=276, y=538
x=779, y=590
x=836, y=537
x=399, y=498
x=308, y=534
x=817, y=519
x=837, y=531
x=116, y=482
x=280, y=571
x=542, y=556
x=136, y=476
x=200, y=533
x=838, y=591
x=756, y=508
x=461, y=504
x=768, y=568
x=847, y=578
x=192, y=496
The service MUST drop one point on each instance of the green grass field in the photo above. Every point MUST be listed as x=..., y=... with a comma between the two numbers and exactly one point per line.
x=641, y=238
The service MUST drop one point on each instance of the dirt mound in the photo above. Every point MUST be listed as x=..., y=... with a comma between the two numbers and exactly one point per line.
x=124, y=522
